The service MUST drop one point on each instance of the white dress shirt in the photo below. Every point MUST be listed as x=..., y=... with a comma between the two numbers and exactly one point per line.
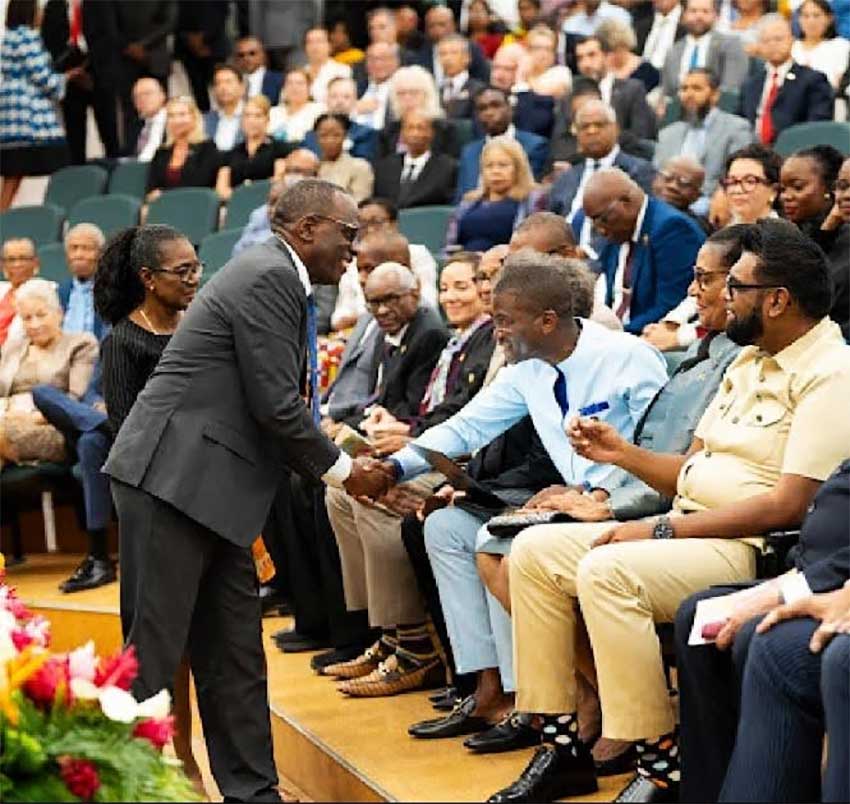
x=154, y=129
x=662, y=36
x=585, y=25
x=414, y=165
x=622, y=258
x=606, y=88
x=452, y=87
x=341, y=469
x=227, y=130
x=255, y=82
x=781, y=73
x=701, y=44
x=327, y=72
x=510, y=133
x=376, y=118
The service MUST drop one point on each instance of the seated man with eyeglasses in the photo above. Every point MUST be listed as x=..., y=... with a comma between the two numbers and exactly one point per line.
x=759, y=453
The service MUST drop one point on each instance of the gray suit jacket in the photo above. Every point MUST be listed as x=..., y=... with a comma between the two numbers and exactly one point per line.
x=669, y=423
x=223, y=414
x=725, y=135
x=726, y=59
x=355, y=378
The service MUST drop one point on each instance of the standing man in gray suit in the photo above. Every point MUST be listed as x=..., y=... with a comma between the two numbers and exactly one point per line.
x=197, y=463
x=707, y=134
x=703, y=46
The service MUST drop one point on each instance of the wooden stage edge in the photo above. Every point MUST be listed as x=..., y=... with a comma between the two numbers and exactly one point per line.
x=327, y=747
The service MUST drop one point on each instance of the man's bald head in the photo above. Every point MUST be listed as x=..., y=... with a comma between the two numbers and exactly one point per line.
x=545, y=232
x=679, y=182
x=612, y=202
x=378, y=247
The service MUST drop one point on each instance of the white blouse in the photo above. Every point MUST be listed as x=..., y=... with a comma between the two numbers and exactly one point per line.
x=294, y=127
x=829, y=57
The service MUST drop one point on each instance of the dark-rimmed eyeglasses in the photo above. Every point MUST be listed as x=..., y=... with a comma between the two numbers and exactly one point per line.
x=733, y=285
x=390, y=300
x=185, y=273
x=745, y=183
x=702, y=278
x=349, y=230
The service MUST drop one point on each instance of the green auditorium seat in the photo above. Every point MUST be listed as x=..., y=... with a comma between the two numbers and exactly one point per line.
x=42, y=224
x=216, y=249
x=52, y=263
x=72, y=184
x=807, y=135
x=191, y=210
x=110, y=213
x=426, y=225
x=245, y=199
x=129, y=178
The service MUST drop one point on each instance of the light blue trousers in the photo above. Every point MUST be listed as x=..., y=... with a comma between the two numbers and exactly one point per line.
x=479, y=628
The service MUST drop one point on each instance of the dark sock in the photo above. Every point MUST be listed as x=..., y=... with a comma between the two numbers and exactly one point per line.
x=415, y=639
x=388, y=642
x=658, y=760
x=560, y=731
x=97, y=544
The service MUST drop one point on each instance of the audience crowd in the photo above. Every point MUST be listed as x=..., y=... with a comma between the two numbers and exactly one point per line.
x=611, y=402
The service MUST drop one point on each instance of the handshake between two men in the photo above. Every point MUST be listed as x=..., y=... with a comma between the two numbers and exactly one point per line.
x=370, y=478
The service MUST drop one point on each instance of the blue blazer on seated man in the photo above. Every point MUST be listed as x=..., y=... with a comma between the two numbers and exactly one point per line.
x=664, y=246
x=536, y=149
x=364, y=142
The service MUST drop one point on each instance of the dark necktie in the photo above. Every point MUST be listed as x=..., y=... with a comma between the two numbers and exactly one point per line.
x=313, y=352
x=560, y=389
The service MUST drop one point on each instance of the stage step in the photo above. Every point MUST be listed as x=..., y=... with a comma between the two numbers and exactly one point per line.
x=330, y=747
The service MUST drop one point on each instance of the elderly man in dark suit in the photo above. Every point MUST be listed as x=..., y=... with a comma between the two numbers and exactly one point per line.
x=703, y=46
x=199, y=459
x=782, y=92
x=597, y=132
x=647, y=262
x=418, y=177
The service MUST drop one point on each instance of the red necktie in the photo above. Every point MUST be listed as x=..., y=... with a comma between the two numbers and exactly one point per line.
x=626, y=301
x=76, y=21
x=768, y=132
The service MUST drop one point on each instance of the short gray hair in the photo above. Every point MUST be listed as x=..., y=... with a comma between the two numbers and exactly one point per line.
x=613, y=34
x=770, y=19
x=545, y=282
x=26, y=240
x=395, y=270
x=610, y=114
x=456, y=37
x=87, y=229
x=39, y=290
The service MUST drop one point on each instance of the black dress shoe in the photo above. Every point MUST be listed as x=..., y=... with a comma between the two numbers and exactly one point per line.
x=641, y=791
x=291, y=641
x=553, y=773
x=335, y=656
x=90, y=574
x=445, y=700
x=511, y=734
x=459, y=721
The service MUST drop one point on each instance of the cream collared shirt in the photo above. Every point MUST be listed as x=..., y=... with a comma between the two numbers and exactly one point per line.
x=772, y=415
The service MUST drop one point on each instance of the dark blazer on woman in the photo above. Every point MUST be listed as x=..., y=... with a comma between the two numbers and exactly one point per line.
x=434, y=184
x=257, y=167
x=836, y=246
x=199, y=170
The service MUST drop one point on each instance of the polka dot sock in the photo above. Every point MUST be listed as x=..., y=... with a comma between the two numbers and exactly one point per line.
x=658, y=760
x=561, y=731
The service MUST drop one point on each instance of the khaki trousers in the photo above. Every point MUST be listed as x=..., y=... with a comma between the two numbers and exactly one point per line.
x=376, y=572
x=623, y=590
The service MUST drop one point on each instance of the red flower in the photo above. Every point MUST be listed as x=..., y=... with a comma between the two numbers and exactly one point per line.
x=158, y=732
x=20, y=639
x=50, y=680
x=119, y=670
x=80, y=777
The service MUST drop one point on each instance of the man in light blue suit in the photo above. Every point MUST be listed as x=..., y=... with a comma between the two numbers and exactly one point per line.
x=494, y=113
x=648, y=259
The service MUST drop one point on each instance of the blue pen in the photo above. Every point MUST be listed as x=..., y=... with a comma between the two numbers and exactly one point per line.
x=592, y=410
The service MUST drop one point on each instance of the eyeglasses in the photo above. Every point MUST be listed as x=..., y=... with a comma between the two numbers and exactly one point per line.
x=682, y=182
x=733, y=286
x=701, y=278
x=390, y=300
x=602, y=217
x=349, y=230
x=745, y=183
x=185, y=272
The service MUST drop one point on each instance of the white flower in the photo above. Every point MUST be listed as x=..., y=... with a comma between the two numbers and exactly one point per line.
x=157, y=707
x=84, y=690
x=118, y=704
x=82, y=662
